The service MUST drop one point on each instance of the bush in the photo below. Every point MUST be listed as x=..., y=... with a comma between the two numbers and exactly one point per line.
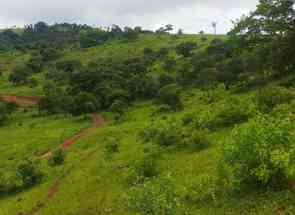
x=144, y=169
x=20, y=75
x=197, y=140
x=118, y=106
x=112, y=146
x=84, y=103
x=187, y=119
x=270, y=97
x=57, y=158
x=166, y=133
x=165, y=79
x=155, y=198
x=261, y=153
x=170, y=95
x=235, y=111
x=28, y=173
x=202, y=190
x=186, y=49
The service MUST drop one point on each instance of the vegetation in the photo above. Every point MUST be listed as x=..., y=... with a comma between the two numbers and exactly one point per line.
x=195, y=124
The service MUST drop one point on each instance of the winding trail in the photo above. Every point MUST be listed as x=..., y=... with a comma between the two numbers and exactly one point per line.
x=97, y=121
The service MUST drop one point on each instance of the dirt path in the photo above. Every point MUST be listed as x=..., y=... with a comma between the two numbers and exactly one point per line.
x=23, y=101
x=97, y=121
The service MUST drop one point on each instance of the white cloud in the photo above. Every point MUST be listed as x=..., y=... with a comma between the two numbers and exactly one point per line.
x=191, y=15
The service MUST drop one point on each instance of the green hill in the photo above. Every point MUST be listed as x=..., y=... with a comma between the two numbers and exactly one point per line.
x=128, y=121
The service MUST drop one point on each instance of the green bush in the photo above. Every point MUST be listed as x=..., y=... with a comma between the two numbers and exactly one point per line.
x=118, y=106
x=9, y=184
x=270, y=97
x=155, y=198
x=196, y=139
x=261, y=154
x=57, y=158
x=235, y=111
x=203, y=189
x=169, y=95
x=187, y=119
x=112, y=145
x=20, y=75
x=165, y=133
x=28, y=173
x=84, y=103
x=144, y=169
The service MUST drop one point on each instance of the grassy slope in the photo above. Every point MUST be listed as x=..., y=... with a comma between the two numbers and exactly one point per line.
x=98, y=186
x=113, y=49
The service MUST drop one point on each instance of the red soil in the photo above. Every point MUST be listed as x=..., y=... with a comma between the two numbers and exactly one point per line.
x=97, y=121
x=23, y=101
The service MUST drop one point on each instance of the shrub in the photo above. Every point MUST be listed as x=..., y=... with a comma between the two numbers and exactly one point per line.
x=28, y=173
x=187, y=119
x=162, y=109
x=57, y=158
x=261, y=153
x=112, y=145
x=170, y=95
x=84, y=103
x=165, y=79
x=118, y=106
x=270, y=97
x=202, y=190
x=8, y=185
x=186, y=49
x=155, y=198
x=235, y=111
x=197, y=140
x=165, y=133
x=20, y=75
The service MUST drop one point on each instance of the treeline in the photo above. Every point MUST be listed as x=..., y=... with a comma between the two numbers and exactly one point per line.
x=258, y=49
x=67, y=35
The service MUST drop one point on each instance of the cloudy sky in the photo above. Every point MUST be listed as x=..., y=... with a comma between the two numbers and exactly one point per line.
x=190, y=15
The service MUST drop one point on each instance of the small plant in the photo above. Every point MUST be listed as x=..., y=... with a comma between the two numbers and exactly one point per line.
x=57, y=158
x=112, y=145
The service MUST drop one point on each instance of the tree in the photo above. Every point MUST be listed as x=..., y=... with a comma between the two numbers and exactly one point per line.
x=185, y=49
x=84, y=103
x=169, y=95
x=20, y=75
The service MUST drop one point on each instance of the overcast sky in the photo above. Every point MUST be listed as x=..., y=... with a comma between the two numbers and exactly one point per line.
x=190, y=15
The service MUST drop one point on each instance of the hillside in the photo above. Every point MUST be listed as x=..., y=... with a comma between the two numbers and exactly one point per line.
x=129, y=121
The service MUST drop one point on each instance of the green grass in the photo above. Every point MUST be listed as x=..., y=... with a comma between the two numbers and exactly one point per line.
x=96, y=185
x=28, y=135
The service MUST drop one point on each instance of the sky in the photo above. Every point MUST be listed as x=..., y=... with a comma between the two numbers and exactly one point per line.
x=190, y=15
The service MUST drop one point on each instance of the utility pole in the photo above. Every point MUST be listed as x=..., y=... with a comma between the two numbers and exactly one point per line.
x=214, y=25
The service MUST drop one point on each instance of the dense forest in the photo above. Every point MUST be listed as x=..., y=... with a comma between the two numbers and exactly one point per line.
x=222, y=103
